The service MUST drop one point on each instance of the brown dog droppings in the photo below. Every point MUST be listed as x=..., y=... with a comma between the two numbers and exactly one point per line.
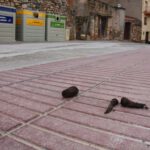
x=125, y=102
x=70, y=92
x=112, y=104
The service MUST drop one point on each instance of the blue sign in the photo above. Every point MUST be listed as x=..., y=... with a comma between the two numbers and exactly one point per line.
x=6, y=19
x=7, y=9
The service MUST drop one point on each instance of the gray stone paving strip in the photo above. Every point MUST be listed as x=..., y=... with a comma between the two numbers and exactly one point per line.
x=34, y=54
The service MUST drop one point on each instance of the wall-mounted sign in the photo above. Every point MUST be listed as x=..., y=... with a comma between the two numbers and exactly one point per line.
x=35, y=22
x=57, y=24
x=6, y=19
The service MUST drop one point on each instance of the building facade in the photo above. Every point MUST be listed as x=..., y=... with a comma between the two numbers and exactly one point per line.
x=133, y=21
x=95, y=19
x=133, y=18
x=146, y=21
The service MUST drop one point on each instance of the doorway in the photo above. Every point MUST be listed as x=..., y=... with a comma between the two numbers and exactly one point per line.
x=127, y=31
x=104, y=25
x=147, y=37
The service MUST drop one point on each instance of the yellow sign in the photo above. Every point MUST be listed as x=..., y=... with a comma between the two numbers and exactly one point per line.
x=35, y=22
x=30, y=13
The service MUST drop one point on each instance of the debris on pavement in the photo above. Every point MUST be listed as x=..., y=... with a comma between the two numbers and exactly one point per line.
x=112, y=104
x=70, y=92
x=125, y=102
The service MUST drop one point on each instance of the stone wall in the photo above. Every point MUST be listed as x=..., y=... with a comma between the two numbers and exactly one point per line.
x=135, y=32
x=53, y=6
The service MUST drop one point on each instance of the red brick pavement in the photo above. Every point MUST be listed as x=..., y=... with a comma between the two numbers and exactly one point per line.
x=33, y=114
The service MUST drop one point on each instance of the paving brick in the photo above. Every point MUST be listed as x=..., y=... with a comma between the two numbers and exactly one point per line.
x=92, y=101
x=7, y=123
x=85, y=74
x=127, y=88
x=99, y=95
x=104, y=104
x=35, y=74
x=121, y=93
x=46, y=82
x=89, y=73
x=78, y=76
x=9, y=75
x=33, y=71
x=36, y=90
x=55, y=83
x=68, y=81
x=117, y=115
x=140, y=96
x=75, y=79
x=131, y=82
x=4, y=83
x=127, y=83
x=49, y=140
x=108, y=94
x=141, y=79
x=18, y=72
x=9, y=79
x=43, y=86
x=101, y=138
x=16, y=111
x=104, y=124
x=10, y=144
x=33, y=96
x=27, y=103
x=14, y=73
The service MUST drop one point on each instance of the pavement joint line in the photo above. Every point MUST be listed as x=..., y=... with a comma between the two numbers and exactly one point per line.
x=1, y=133
x=73, y=139
x=147, y=143
x=69, y=101
x=101, y=130
x=116, y=109
x=69, y=68
x=33, y=110
x=40, y=115
x=48, y=74
x=30, y=121
x=26, y=142
x=114, y=76
x=98, y=130
x=68, y=137
x=111, y=94
x=61, y=105
x=13, y=130
x=109, y=118
x=28, y=99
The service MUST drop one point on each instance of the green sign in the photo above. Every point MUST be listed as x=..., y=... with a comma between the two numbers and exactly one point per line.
x=55, y=24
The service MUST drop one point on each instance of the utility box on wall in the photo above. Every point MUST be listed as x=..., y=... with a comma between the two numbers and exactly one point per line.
x=7, y=24
x=55, y=27
x=30, y=26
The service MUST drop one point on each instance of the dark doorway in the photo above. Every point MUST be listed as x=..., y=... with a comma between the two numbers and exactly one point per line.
x=147, y=38
x=127, y=31
x=104, y=25
x=81, y=27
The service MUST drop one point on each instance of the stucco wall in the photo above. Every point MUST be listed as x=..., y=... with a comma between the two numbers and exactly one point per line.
x=145, y=28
